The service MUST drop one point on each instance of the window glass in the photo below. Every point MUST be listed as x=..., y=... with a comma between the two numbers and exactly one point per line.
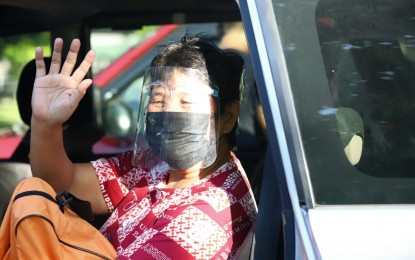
x=351, y=68
x=122, y=57
x=15, y=52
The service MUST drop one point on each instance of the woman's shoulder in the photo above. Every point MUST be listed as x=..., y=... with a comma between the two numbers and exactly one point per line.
x=232, y=179
x=231, y=182
x=229, y=175
x=229, y=188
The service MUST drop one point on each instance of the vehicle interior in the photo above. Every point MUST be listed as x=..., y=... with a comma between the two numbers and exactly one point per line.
x=104, y=123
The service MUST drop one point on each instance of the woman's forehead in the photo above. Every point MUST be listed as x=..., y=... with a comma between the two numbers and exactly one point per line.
x=183, y=83
x=183, y=78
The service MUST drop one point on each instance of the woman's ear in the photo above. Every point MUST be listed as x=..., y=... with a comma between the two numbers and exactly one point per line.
x=230, y=117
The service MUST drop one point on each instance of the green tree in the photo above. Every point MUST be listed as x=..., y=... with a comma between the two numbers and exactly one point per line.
x=20, y=49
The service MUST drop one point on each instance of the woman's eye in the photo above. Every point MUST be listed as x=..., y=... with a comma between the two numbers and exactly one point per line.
x=187, y=101
x=157, y=101
x=191, y=99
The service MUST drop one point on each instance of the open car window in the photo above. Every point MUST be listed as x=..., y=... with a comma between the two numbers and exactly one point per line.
x=122, y=58
x=351, y=69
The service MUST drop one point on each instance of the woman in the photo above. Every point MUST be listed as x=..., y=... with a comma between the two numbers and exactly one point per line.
x=181, y=194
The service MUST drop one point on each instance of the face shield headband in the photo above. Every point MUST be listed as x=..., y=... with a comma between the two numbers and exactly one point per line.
x=176, y=122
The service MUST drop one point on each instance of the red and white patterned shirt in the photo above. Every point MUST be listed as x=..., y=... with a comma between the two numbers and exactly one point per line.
x=208, y=220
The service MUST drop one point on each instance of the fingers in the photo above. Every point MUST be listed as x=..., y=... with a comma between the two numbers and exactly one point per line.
x=55, y=65
x=40, y=63
x=81, y=71
x=69, y=64
x=79, y=92
x=84, y=85
x=71, y=58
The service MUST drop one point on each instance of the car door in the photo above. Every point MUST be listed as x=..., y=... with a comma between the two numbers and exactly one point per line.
x=335, y=79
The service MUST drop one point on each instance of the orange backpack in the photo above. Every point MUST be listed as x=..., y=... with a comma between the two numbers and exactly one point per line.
x=38, y=225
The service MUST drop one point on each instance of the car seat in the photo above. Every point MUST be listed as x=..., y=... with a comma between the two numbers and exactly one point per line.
x=17, y=167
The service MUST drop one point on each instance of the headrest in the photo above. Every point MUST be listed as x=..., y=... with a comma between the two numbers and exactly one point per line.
x=351, y=130
x=25, y=87
x=349, y=123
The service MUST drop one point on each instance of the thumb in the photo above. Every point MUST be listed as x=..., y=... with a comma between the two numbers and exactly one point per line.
x=80, y=91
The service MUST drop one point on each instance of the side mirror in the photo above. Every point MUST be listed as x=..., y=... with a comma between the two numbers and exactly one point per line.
x=119, y=120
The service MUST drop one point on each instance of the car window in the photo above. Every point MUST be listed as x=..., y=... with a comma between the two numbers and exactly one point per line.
x=351, y=70
x=15, y=52
x=122, y=57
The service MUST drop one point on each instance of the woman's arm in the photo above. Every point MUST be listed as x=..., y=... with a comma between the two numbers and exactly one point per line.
x=56, y=95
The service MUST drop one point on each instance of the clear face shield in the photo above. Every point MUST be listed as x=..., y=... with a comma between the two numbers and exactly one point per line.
x=176, y=122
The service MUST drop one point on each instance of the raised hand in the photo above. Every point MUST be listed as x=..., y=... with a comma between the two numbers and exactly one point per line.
x=56, y=95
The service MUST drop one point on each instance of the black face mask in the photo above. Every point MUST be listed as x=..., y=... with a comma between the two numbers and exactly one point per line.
x=179, y=138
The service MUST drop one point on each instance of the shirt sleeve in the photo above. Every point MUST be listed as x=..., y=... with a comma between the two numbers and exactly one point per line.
x=116, y=177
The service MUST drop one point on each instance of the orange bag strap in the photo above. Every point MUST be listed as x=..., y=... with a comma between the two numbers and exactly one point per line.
x=81, y=207
x=34, y=192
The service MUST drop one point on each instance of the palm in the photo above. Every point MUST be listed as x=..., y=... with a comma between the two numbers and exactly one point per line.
x=56, y=95
x=52, y=98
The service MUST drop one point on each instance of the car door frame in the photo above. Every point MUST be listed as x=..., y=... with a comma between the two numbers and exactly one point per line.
x=286, y=159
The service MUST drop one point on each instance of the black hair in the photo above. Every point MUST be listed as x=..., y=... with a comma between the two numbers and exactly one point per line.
x=223, y=67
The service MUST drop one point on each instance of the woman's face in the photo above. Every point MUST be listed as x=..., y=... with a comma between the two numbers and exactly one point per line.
x=178, y=118
x=181, y=93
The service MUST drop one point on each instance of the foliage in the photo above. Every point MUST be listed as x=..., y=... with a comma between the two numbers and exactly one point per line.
x=21, y=48
x=17, y=50
x=9, y=113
